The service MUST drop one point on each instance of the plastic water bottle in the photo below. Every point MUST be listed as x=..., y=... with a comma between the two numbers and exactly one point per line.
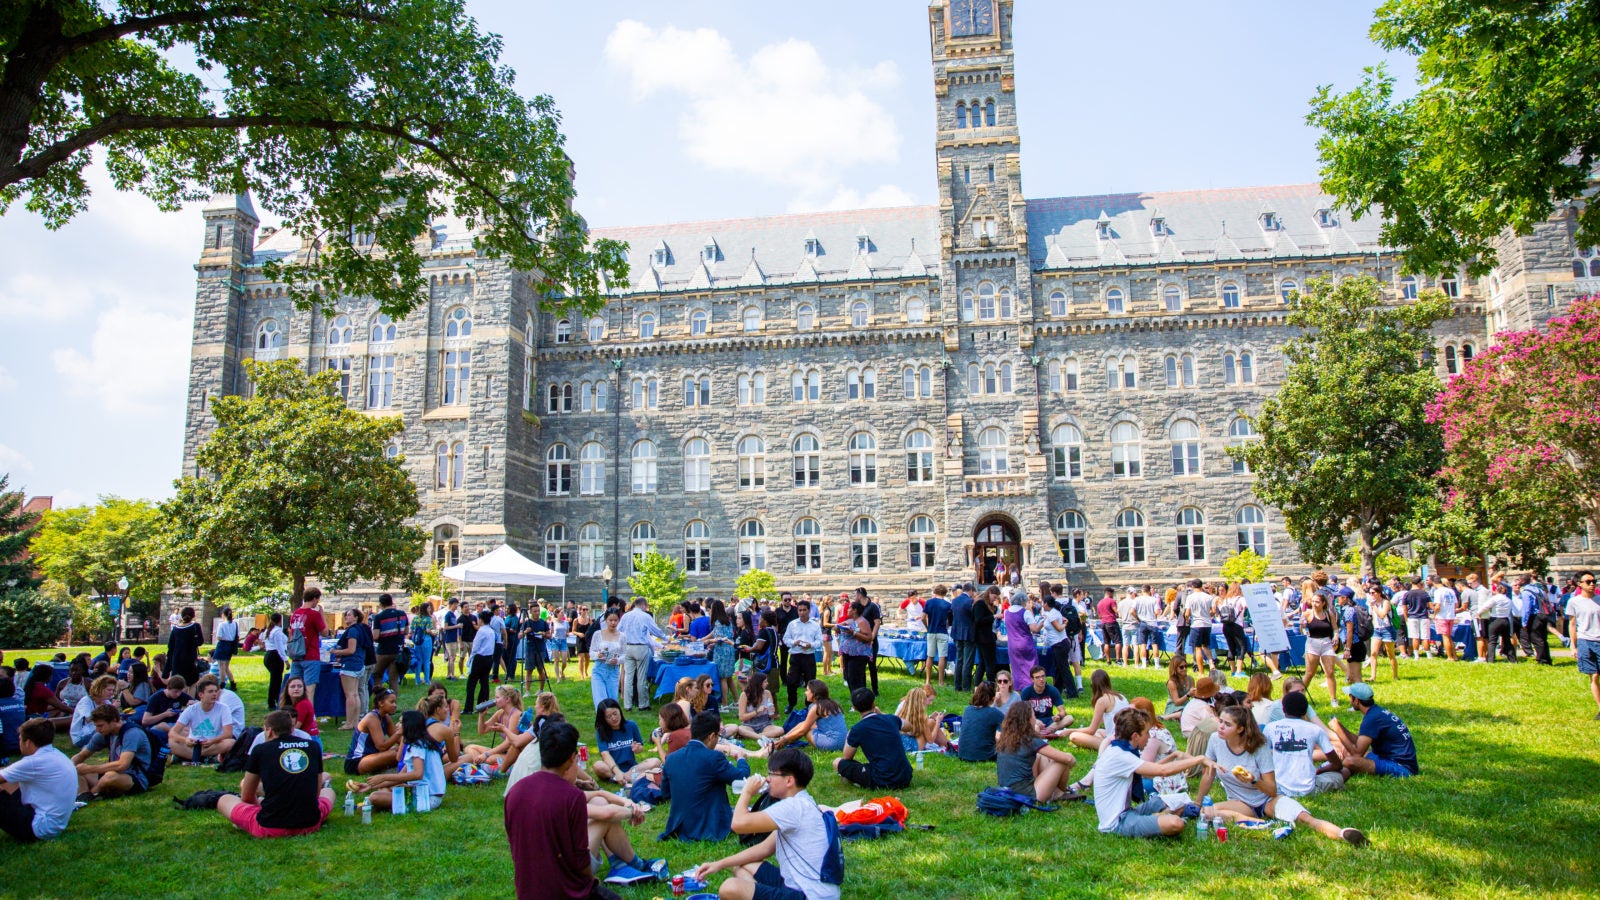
x=424, y=801
x=397, y=801
x=349, y=803
x=1202, y=826
x=920, y=755
x=366, y=812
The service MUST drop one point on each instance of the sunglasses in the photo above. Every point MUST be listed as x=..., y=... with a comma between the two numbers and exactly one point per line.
x=1586, y=581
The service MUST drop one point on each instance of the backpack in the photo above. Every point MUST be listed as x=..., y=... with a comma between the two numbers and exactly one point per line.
x=1229, y=614
x=832, y=869
x=156, y=771
x=1363, y=618
x=1069, y=611
x=998, y=801
x=239, y=754
x=297, y=638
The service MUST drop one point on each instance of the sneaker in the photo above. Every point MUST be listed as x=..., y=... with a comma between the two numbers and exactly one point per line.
x=86, y=798
x=658, y=867
x=622, y=873
x=1353, y=837
x=1252, y=824
x=1283, y=832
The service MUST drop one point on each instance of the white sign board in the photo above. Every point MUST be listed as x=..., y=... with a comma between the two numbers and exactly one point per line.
x=1266, y=617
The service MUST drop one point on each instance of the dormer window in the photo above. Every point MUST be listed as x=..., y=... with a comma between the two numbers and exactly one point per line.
x=813, y=247
x=1325, y=218
x=1269, y=221
x=1158, y=227
x=863, y=244
x=709, y=253
x=1103, y=229
x=661, y=257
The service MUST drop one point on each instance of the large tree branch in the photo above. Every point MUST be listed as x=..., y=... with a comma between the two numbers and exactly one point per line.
x=142, y=24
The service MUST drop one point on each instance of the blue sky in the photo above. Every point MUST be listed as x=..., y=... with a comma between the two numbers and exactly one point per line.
x=685, y=111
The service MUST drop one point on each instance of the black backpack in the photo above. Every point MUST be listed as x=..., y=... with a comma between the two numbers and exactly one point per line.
x=1363, y=624
x=156, y=771
x=239, y=754
x=1069, y=612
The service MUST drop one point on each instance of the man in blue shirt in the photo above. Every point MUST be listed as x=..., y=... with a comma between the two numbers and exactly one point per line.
x=961, y=635
x=1537, y=617
x=637, y=627
x=695, y=778
x=389, y=630
x=497, y=624
x=878, y=736
x=937, y=613
x=13, y=713
x=1383, y=747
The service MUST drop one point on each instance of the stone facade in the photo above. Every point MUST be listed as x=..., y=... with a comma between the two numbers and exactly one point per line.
x=1051, y=380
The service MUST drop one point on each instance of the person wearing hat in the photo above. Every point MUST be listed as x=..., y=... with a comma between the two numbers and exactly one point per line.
x=1383, y=745
x=1198, y=711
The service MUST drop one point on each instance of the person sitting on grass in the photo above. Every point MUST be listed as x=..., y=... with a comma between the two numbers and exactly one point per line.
x=42, y=701
x=1027, y=764
x=135, y=696
x=696, y=779
x=12, y=715
x=100, y=693
x=165, y=705
x=919, y=728
x=1241, y=756
x=1042, y=697
x=1119, y=772
x=796, y=836
x=1295, y=744
x=619, y=741
x=823, y=725
x=1107, y=703
x=204, y=730
x=128, y=758
x=421, y=763
x=673, y=733
x=37, y=791
x=558, y=838
x=1159, y=747
x=284, y=791
x=980, y=724
x=1381, y=747
x=756, y=711
x=878, y=736
x=376, y=743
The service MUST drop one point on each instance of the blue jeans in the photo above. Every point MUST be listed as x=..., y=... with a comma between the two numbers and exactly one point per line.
x=422, y=659
x=604, y=682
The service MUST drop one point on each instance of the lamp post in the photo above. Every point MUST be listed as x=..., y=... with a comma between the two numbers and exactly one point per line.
x=122, y=611
x=605, y=589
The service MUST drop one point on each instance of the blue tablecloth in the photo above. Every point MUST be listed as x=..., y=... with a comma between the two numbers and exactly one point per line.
x=665, y=674
x=329, y=701
x=63, y=670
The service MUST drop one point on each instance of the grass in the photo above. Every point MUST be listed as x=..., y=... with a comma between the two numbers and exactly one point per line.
x=1504, y=806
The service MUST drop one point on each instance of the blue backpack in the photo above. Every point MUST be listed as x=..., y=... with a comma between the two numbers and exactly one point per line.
x=998, y=801
x=832, y=869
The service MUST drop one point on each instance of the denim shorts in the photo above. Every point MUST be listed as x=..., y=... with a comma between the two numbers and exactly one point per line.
x=1588, y=653
x=1387, y=768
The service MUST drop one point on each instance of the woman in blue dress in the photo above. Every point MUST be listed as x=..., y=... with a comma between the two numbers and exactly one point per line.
x=723, y=650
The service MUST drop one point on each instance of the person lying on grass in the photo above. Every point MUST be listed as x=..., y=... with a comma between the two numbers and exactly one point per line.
x=1119, y=773
x=796, y=834
x=284, y=791
x=878, y=736
x=420, y=763
x=1239, y=753
x=204, y=730
x=1027, y=764
x=128, y=758
x=376, y=743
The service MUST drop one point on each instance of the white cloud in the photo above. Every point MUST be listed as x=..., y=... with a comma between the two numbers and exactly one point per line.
x=137, y=361
x=783, y=114
x=39, y=299
x=8, y=382
x=850, y=198
x=13, y=462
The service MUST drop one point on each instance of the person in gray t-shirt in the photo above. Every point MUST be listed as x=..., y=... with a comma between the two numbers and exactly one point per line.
x=1240, y=755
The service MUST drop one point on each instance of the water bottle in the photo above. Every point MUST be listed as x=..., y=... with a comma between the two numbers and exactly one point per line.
x=349, y=803
x=397, y=802
x=920, y=755
x=424, y=802
x=366, y=812
x=1203, y=825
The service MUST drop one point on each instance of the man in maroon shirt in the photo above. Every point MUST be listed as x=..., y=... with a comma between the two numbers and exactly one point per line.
x=1106, y=610
x=308, y=621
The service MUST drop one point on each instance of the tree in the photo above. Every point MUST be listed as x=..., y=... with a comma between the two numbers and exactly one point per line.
x=1385, y=565
x=88, y=549
x=757, y=583
x=29, y=619
x=660, y=580
x=1521, y=427
x=358, y=122
x=1245, y=565
x=1501, y=131
x=295, y=484
x=433, y=584
x=1345, y=447
x=17, y=529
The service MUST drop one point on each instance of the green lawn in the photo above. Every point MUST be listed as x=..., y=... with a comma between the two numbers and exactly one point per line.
x=1505, y=805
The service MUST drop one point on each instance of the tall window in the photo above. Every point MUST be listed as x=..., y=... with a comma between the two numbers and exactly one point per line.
x=1072, y=537
x=602, y=395
x=923, y=542
x=917, y=381
x=558, y=398
x=752, y=545
x=450, y=466
x=967, y=311
x=1191, y=535
x=597, y=333
x=863, y=459
x=752, y=388
x=563, y=331
x=1066, y=450
x=1172, y=298
x=269, y=339
x=1122, y=373
x=805, y=317
x=558, y=470
x=457, y=358
x=697, y=547
x=1180, y=371
x=1239, y=431
x=1058, y=303
x=751, y=318
x=1130, y=538
x=1185, y=436
x=589, y=551
x=697, y=391
x=919, y=457
x=859, y=315
x=641, y=540
x=1114, y=300
x=1062, y=375
x=986, y=310
x=994, y=457
x=380, y=370
x=343, y=365
x=861, y=384
x=988, y=114
x=447, y=546
x=752, y=463
x=1451, y=364
x=1127, y=454
x=1005, y=303
x=1238, y=368
x=961, y=115
x=591, y=469
x=807, y=461
x=864, y=545
x=1408, y=287
x=1287, y=289
x=697, y=465
x=1230, y=295
x=699, y=321
x=646, y=393
x=557, y=552
x=644, y=467
x=806, y=385
x=807, y=546
x=1252, y=530
x=647, y=327
x=916, y=311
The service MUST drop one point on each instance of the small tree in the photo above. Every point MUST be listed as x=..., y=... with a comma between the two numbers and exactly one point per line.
x=1245, y=565
x=660, y=580
x=1386, y=565
x=29, y=619
x=17, y=530
x=757, y=583
x=433, y=584
x=88, y=549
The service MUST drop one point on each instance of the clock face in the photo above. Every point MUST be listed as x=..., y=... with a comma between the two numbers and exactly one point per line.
x=969, y=18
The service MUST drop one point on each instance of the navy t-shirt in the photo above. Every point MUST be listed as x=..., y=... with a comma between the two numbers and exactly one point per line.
x=390, y=626
x=1391, y=739
x=620, y=744
x=977, y=732
x=1416, y=604
x=937, y=611
x=878, y=737
x=1043, y=704
x=12, y=714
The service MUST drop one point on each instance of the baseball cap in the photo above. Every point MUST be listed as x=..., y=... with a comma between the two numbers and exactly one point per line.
x=1359, y=690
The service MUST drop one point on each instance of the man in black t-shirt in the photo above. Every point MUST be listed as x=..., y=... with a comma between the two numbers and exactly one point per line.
x=288, y=770
x=1415, y=603
x=783, y=615
x=873, y=614
x=161, y=712
x=878, y=736
x=389, y=630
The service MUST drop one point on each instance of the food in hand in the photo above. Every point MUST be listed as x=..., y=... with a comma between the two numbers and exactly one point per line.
x=1241, y=773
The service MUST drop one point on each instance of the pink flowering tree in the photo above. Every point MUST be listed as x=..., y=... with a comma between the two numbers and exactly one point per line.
x=1521, y=427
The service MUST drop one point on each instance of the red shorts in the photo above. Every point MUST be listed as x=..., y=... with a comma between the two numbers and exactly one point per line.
x=244, y=815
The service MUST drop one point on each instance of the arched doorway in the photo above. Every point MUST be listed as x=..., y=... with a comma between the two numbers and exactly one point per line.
x=996, y=538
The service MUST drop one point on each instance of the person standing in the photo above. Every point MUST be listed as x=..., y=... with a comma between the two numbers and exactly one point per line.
x=782, y=616
x=1414, y=603
x=1497, y=632
x=481, y=666
x=422, y=631
x=389, y=632
x=226, y=646
x=936, y=612
x=606, y=648
x=183, y=646
x=874, y=614
x=1539, y=615
x=1583, y=626
x=855, y=636
x=1110, y=632
x=275, y=658
x=450, y=635
x=983, y=632
x=1445, y=602
x=801, y=639
x=497, y=624
x=306, y=624
x=961, y=634
x=637, y=627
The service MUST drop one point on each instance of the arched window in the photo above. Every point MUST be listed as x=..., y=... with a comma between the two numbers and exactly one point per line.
x=1172, y=298
x=391, y=450
x=988, y=113
x=558, y=470
x=450, y=466
x=1005, y=378
x=457, y=323
x=589, y=551
x=1180, y=370
x=1063, y=376
x=696, y=465
x=1072, y=538
x=699, y=321
x=1451, y=365
x=642, y=540
x=994, y=458
x=916, y=311
x=1239, y=431
x=961, y=115
x=1058, y=303
x=807, y=546
x=861, y=384
x=1287, y=289
x=1230, y=295
x=1408, y=287
x=858, y=314
x=1252, y=530
x=647, y=327
x=602, y=395
x=986, y=311
x=557, y=552
x=447, y=546
x=383, y=329
x=1130, y=538
x=752, y=463
x=917, y=381
x=697, y=547
x=563, y=331
x=919, y=457
x=1466, y=354
x=924, y=543
x=1191, y=535
x=1122, y=373
x=697, y=390
x=1005, y=303
x=1066, y=450
x=807, y=462
x=967, y=310
x=752, y=545
x=586, y=397
x=1114, y=301
x=806, y=385
x=805, y=317
x=591, y=469
x=597, y=331
x=752, y=388
x=1185, y=437
x=340, y=331
x=644, y=467
x=1127, y=455
x=751, y=317
x=1238, y=368
x=863, y=459
x=990, y=382
x=864, y=545
x=269, y=339
x=380, y=373
x=342, y=364
x=646, y=393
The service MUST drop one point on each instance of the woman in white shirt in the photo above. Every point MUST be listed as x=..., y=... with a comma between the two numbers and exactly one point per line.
x=275, y=658
x=99, y=694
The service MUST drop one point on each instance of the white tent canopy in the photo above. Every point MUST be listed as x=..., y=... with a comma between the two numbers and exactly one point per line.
x=504, y=565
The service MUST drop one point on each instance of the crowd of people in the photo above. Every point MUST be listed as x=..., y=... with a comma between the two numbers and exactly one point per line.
x=566, y=819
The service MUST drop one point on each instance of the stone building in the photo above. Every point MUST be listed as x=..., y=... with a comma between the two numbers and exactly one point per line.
x=881, y=397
